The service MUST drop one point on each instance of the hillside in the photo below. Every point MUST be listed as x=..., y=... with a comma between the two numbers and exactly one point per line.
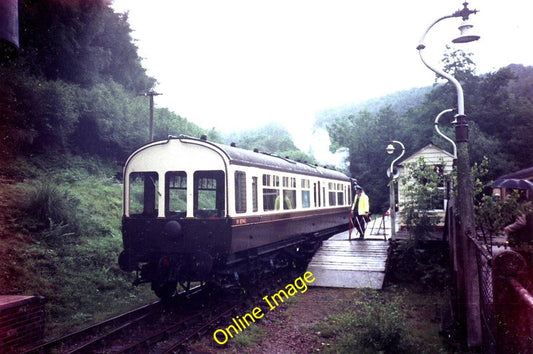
x=400, y=102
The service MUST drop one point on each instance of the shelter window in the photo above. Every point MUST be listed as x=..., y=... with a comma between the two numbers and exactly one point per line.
x=143, y=193
x=240, y=192
x=176, y=193
x=209, y=194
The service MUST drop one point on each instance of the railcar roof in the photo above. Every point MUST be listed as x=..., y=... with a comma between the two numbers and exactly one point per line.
x=245, y=157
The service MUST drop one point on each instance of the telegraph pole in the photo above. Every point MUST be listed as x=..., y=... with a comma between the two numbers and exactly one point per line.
x=151, y=93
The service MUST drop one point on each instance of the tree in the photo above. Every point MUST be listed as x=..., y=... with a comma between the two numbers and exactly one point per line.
x=79, y=41
x=366, y=136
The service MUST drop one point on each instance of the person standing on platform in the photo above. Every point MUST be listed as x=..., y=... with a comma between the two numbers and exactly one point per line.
x=360, y=211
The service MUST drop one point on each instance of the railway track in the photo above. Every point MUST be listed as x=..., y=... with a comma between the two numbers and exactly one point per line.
x=90, y=334
x=163, y=328
x=152, y=328
x=95, y=336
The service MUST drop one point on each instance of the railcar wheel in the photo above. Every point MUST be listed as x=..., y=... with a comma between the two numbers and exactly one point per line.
x=186, y=285
x=165, y=290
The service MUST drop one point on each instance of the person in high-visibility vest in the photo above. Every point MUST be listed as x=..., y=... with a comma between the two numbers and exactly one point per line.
x=360, y=211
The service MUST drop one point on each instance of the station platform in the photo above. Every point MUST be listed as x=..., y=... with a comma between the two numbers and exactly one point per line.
x=342, y=263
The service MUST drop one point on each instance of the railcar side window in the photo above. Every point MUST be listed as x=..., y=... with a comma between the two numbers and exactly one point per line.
x=209, y=194
x=340, y=194
x=255, y=205
x=143, y=193
x=240, y=192
x=289, y=193
x=269, y=194
x=176, y=194
x=332, y=194
x=306, y=194
x=289, y=199
x=269, y=198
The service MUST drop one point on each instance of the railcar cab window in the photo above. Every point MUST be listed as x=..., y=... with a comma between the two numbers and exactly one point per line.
x=143, y=194
x=209, y=193
x=176, y=194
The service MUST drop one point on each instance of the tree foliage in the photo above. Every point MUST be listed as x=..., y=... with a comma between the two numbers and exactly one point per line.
x=75, y=84
x=79, y=41
x=499, y=108
x=271, y=138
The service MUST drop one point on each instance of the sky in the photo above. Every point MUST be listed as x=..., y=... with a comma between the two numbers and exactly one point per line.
x=240, y=64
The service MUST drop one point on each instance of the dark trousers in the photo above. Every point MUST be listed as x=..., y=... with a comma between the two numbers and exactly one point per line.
x=360, y=224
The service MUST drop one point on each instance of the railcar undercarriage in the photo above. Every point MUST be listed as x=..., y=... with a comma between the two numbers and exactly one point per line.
x=166, y=272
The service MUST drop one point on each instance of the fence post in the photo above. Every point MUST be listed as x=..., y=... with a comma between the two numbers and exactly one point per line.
x=511, y=311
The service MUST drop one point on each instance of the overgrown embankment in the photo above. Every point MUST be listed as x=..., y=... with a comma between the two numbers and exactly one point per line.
x=60, y=238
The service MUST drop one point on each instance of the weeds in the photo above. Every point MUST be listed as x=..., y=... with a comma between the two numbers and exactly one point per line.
x=251, y=337
x=425, y=264
x=374, y=324
x=49, y=205
x=70, y=223
x=377, y=322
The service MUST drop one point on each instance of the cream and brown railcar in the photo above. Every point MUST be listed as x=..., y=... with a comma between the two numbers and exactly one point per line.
x=199, y=211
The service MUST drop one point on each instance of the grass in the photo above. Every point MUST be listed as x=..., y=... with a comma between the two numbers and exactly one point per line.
x=61, y=239
x=391, y=321
x=251, y=336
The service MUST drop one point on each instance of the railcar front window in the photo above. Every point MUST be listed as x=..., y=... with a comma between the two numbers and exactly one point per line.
x=209, y=193
x=176, y=194
x=143, y=193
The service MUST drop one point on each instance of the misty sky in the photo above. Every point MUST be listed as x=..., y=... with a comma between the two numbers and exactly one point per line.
x=238, y=64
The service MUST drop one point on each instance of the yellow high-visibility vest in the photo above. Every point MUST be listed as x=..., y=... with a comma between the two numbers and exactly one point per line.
x=364, y=204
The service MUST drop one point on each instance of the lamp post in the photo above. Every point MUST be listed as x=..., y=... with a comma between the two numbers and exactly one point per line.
x=392, y=208
x=465, y=203
x=442, y=134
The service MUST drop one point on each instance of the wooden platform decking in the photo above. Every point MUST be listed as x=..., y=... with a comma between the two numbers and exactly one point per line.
x=351, y=264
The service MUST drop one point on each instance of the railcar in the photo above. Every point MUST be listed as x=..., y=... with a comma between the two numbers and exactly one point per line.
x=198, y=211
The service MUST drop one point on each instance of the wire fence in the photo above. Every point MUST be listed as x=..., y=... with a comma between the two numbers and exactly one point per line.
x=505, y=304
x=486, y=297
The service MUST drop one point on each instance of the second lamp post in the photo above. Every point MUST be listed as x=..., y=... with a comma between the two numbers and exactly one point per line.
x=392, y=208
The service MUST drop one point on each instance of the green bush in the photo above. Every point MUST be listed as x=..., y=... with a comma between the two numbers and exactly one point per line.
x=51, y=207
x=424, y=264
x=375, y=324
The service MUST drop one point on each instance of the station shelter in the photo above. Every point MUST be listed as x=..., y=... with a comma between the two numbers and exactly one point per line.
x=442, y=161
